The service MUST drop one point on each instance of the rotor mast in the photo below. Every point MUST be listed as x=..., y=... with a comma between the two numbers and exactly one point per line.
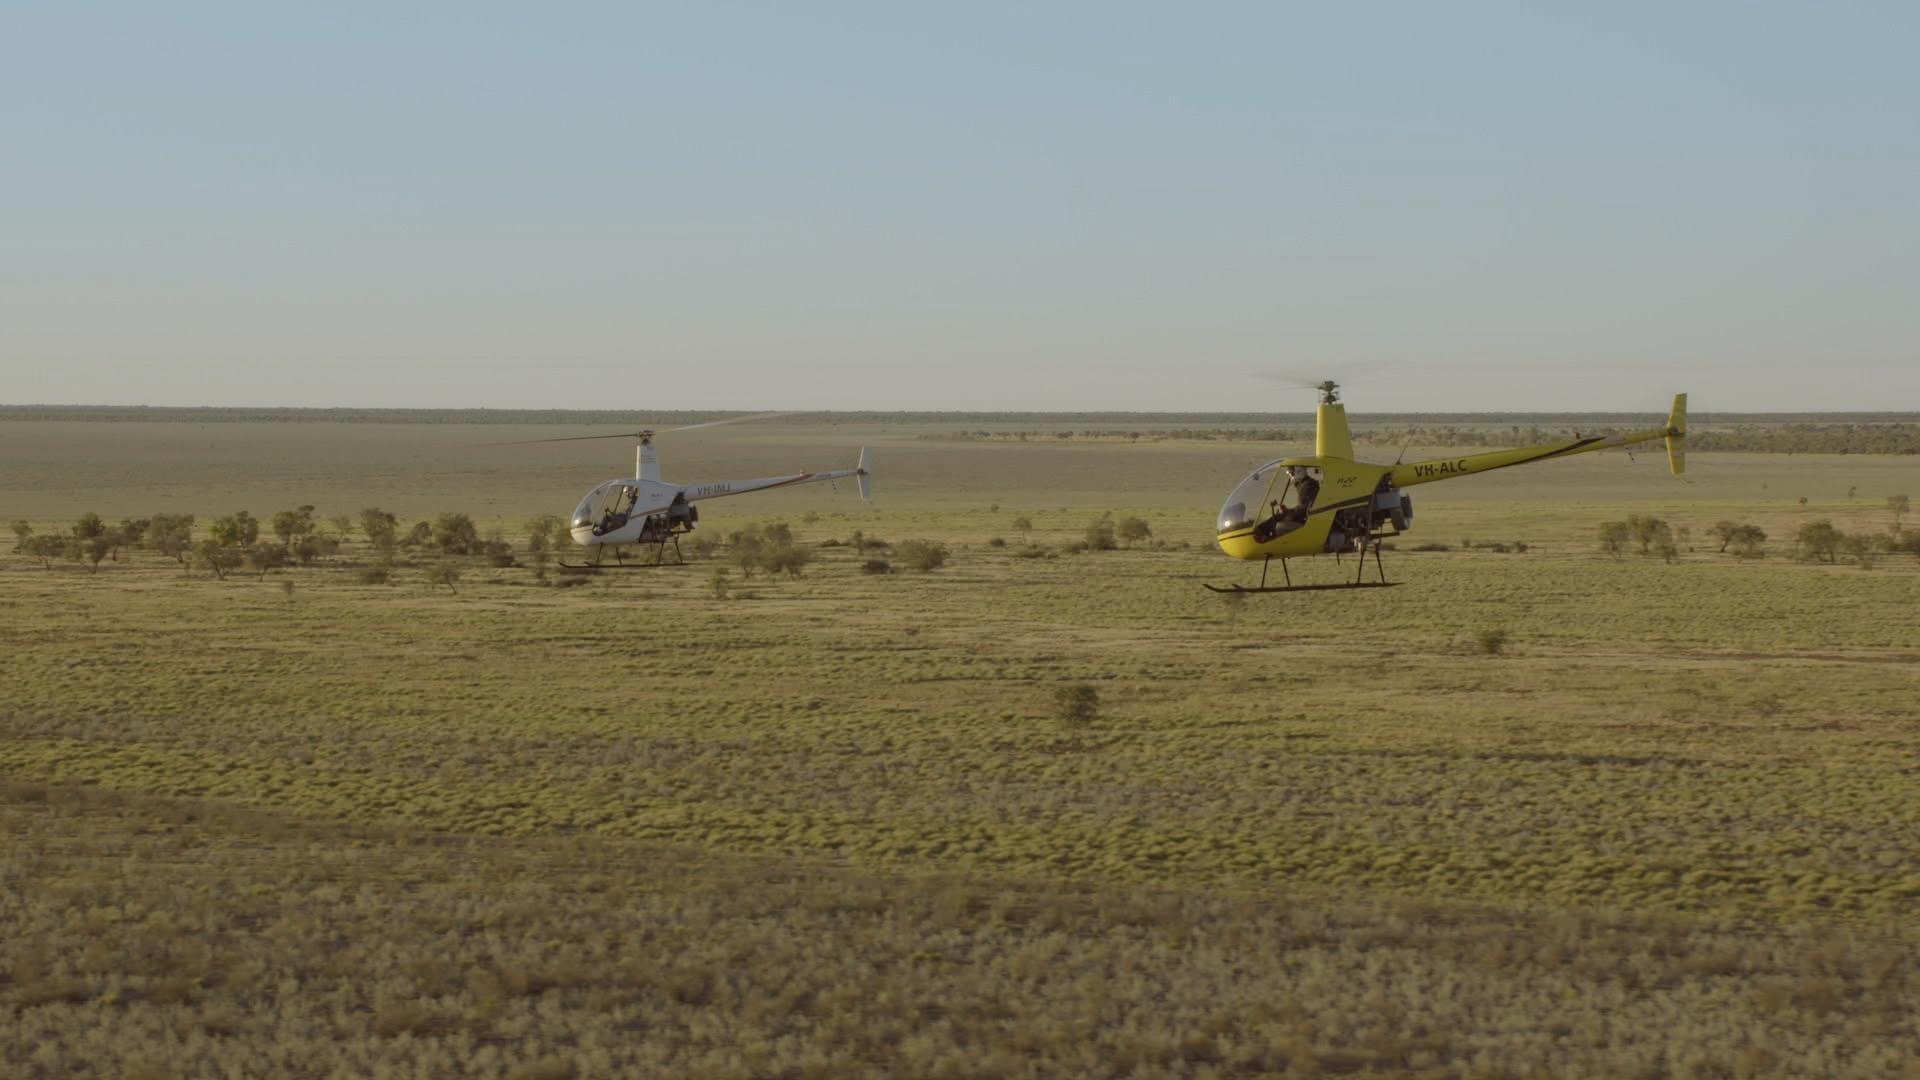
x=646, y=462
x=1330, y=437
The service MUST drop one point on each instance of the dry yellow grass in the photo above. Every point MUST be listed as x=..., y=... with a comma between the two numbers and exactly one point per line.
x=833, y=825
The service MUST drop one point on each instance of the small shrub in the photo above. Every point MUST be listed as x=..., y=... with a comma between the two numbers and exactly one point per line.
x=1100, y=534
x=1076, y=705
x=376, y=575
x=1491, y=640
x=717, y=583
x=923, y=555
x=997, y=542
x=1432, y=547
x=876, y=566
x=1133, y=530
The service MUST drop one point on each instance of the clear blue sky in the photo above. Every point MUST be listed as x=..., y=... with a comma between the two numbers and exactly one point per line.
x=1518, y=206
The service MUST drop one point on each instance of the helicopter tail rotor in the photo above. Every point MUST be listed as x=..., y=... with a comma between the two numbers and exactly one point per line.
x=863, y=475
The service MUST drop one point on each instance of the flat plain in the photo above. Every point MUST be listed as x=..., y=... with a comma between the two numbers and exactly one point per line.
x=1669, y=824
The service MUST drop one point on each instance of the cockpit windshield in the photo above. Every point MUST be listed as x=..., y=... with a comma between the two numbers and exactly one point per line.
x=1263, y=486
x=605, y=508
x=1272, y=499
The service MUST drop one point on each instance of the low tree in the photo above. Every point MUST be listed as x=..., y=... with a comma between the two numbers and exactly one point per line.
x=89, y=526
x=241, y=530
x=1099, y=534
x=293, y=526
x=1747, y=541
x=21, y=530
x=1723, y=531
x=1818, y=540
x=1133, y=530
x=455, y=534
x=1024, y=526
x=1614, y=537
x=95, y=549
x=419, y=536
x=172, y=536
x=342, y=526
x=381, y=529
x=1649, y=531
x=923, y=555
x=262, y=558
x=717, y=582
x=446, y=572
x=1860, y=548
x=1898, y=505
x=47, y=547
x=217, y=557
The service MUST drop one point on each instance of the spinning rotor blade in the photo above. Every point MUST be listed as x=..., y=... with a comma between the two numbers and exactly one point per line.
x=569, y=438
x=649, y=434
x=729, y=420
x=1303, y=378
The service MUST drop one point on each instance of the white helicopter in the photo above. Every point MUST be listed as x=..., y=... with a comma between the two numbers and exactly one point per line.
x=643, y=509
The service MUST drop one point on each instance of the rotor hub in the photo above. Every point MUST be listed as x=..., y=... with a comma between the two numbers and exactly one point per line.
x=1329, y=392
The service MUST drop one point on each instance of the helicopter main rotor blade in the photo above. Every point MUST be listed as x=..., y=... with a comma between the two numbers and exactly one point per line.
x=729, y=420
x=569, y=438
x=649, y=434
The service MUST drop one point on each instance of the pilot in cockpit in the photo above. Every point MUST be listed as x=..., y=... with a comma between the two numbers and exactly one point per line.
x=618, y=510
x=1306, y=485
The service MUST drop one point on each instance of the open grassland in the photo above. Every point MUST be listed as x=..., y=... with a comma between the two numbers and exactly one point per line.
x=834, y=823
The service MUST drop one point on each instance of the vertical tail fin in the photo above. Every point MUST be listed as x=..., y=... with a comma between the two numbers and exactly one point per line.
x=1677, y=435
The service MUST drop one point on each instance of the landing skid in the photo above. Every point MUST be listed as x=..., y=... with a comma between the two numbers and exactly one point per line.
x=1360, y=571
x=620, y=558
x=1303, y=588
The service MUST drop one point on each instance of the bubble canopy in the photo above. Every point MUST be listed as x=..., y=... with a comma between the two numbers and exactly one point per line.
x=1264, y=493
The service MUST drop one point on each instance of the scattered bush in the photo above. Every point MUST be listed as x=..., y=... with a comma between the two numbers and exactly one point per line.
x=717, y=583
x=262, y=558
x=1133, y=530
x=1024, y=526
x=1076, y=705
x=446, y=573
x=922, y=555
x=47, y=547
x=455, y=534
x=376, y=575
x=1100, y=534
x=997, y=542
x=241, y=530
x=1818, y=540
x=382, y=529
x=172, y=535
x=1491, y=640
x=217, y=557
x=1614, y=536
x=876, y=566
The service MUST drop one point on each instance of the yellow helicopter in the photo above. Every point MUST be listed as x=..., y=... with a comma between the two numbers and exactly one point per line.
x=1329, y=503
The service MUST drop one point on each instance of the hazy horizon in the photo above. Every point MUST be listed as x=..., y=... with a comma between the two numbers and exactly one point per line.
x=1101, y=209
